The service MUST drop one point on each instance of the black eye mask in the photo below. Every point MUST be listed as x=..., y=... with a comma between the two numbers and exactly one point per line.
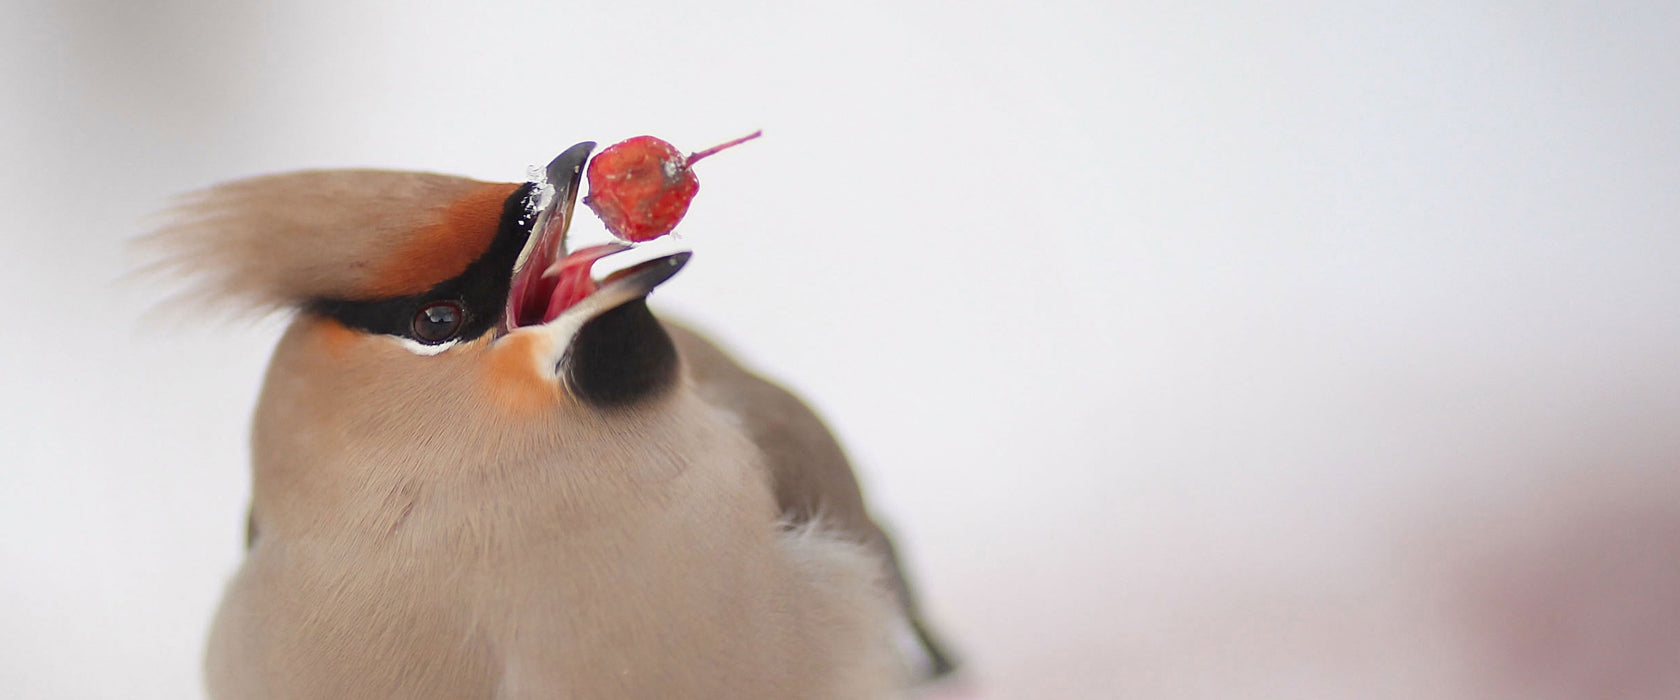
x=463, y=307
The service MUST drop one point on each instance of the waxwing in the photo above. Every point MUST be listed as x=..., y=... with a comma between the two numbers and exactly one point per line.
x=480, y=472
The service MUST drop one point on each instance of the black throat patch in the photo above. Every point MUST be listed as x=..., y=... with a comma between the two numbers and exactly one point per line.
x=621, y=357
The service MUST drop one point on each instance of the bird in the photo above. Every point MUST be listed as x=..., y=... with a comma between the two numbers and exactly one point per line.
x=480, y=472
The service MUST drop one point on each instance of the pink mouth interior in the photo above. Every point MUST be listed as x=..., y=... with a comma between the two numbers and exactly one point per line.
x=571, y=277
x=545, y=287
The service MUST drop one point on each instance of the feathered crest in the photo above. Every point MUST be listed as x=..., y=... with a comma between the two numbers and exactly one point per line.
x=275, y=241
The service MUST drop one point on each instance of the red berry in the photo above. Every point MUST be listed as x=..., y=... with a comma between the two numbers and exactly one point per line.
x=641, y=187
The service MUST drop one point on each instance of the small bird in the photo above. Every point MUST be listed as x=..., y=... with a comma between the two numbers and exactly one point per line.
x=481, y=472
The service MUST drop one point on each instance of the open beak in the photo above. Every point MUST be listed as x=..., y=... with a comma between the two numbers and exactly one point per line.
x=548, y=280
x=530, y=292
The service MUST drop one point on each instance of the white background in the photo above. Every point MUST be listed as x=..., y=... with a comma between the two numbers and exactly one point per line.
x=1192, y=349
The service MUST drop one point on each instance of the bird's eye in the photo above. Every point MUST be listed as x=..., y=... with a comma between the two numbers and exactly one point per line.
x=437, y=322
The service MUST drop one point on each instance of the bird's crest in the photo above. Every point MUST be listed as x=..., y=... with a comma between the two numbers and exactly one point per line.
x=277, y=241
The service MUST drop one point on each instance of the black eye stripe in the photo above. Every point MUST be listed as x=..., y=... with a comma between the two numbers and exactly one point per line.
x=481, y=290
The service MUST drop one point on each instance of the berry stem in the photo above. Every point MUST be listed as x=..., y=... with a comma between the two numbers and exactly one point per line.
x=702, y=154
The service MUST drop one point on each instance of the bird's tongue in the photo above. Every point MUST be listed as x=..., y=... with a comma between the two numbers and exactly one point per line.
x=570, y=278
x=546, y=287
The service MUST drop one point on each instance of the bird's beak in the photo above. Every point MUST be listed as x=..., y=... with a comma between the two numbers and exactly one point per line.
x=531, y=291
x=548, y=281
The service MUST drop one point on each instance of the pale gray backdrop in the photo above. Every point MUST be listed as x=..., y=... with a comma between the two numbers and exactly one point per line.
x=1194, y=350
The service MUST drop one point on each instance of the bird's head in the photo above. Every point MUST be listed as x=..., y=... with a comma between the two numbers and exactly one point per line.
x=432, y=312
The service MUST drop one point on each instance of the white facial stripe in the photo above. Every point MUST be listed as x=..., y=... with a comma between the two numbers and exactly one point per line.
x=420, y=348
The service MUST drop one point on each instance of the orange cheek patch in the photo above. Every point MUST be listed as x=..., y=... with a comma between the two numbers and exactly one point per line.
x=513, y=379
x=442, y=250
x=335, y=340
